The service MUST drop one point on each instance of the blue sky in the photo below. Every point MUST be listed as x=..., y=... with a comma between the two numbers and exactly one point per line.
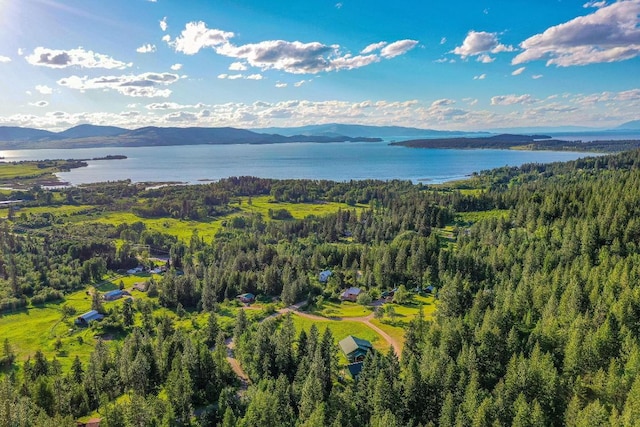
x=246, y=63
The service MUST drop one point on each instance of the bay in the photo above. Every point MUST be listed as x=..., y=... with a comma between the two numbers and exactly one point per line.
x=333, y=161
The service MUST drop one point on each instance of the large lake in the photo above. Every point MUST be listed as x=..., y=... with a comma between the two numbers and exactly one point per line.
x=335, y=161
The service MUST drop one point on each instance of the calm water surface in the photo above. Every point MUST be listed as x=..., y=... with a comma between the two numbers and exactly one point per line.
x=335, y=161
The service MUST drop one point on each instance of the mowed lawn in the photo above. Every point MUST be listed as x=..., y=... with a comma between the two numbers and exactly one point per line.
x=342, y=309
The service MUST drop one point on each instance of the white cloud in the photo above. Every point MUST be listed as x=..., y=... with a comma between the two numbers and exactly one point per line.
x=166, y=38
x=293, y=57
x=480, y=42
x=4, y=59
x=281, y=85
x=480, y=77
x=256, y=76
x=39, y=104
x=536, y=76
x=163, y=24
x=237, y=66
x=197, y=36
x=142, y=85
x=176, y=67
x=596, y=4
x=398, y=48
x=75, y=57
x=598, y=109
x=146, y=48
x=442, y=102
x=512, y=99
x=373, y=47
x=44, y=90
x=172, y=106
x=20, y=52
x=301, y=82
x=610, y=34
x=338, y=5
x=518, y=71
x=443, y=40
x=485, y=59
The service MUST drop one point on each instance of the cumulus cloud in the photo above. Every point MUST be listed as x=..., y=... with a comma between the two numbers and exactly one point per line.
x=146, y=48
x=142, y=85
x=518, y=71
x=398, y=48
x=290, y=56
x=44, y=90
x=79, y=57
x=512, y=99
x=479, y=43
x=237, y=66
x=163, y=24
x=485, y=59
x=281, y=85
x=442, y=102
x=610, y=34
x=39, y=104
x=197, y=36
x=255, y=77
x=373, y=47
x=176, y=67
x=301, y=82
x=4, y=59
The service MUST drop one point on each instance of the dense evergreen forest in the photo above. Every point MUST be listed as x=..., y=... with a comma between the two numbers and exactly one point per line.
x=537, y=322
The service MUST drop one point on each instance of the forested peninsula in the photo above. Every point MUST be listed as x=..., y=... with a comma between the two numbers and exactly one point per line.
x=512, y=296
x=521, y=142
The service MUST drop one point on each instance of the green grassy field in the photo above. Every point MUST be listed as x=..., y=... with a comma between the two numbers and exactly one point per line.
x=262, y=204
x=342, y=329
x=342, y=309
x=39, y=328
x=55, y=210
x=182, y=229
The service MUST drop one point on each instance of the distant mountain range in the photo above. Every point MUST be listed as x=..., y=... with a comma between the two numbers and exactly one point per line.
x=336, y=129
x=87, y=136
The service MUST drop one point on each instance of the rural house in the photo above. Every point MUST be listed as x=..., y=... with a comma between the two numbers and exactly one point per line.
x=324, y=276
x=350, y=294
x=355, y=348
x=88, y=317
x=247, y=298
x=113, y=295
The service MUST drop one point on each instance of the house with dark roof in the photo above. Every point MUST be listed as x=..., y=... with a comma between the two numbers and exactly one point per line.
x=355, y=348
x=354, y=369
x=247, y=298
x=88, y=317
x=113, y=295
x=350, y=294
